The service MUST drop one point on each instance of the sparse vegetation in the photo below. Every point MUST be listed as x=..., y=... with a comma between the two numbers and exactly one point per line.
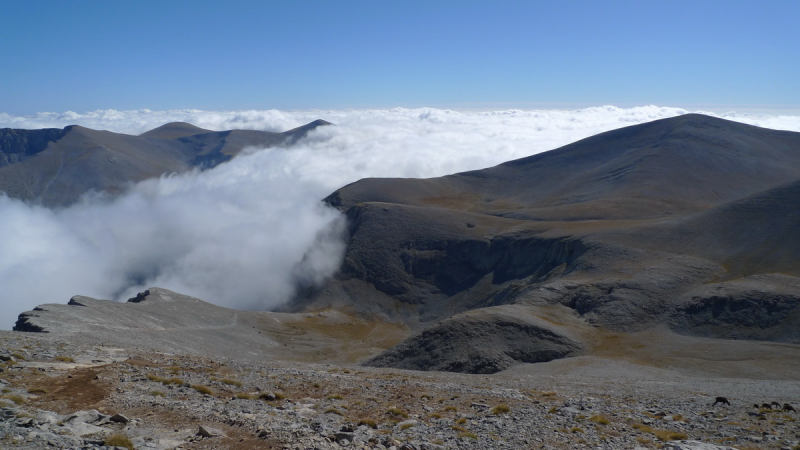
x=461, y=420
x=501, y=409
x=334, y=411
x=450, y=408
x=37, y=391
x=576, y=430
x=335, y=397
x=468, y=435
x=664, y=435
x=397, y=412
x=600, y=419
x=18, y=399
x=243, y=396
x=66, y=359
x=165, y=381
x=368, y=422
x=406, y=426
x=231, y=382
x=119, y=440
x=155, y=393
x=205, y=390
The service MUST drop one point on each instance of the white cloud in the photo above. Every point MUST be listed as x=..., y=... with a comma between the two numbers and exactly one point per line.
x=236, y=235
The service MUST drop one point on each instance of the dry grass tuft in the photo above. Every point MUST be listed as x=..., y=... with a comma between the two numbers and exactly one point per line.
x=231, y=382
x=665, y=435
x=397, y=412
x=368, y=422
x=118, y=440
x=501, y=409
x=334, y=411
x=16, y=399
x=205, y=390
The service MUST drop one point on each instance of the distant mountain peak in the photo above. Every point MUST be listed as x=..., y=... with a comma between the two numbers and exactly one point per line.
x=174, y=130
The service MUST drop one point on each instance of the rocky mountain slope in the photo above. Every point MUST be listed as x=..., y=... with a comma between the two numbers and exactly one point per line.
x=55, y=167
x=685, y=223
x=688, y=221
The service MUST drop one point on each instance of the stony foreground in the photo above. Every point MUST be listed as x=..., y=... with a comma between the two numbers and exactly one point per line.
x=58, y=395
x=61, y=395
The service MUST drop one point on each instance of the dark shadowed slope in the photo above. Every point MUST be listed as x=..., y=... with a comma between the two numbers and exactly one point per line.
x=55, y=167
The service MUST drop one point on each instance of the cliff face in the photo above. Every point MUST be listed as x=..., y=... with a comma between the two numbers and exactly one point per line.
x=18, y=145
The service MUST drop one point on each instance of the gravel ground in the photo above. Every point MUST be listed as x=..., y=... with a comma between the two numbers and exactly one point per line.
x=66, y=395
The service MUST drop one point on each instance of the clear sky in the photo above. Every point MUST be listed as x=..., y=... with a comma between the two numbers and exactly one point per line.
x=233, y=55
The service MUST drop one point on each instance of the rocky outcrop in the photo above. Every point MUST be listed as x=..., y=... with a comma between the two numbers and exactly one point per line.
x=757, y=307
x=487, y=340
x=18, y=145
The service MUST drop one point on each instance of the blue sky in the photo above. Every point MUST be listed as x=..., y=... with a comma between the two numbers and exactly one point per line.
x=233, y=55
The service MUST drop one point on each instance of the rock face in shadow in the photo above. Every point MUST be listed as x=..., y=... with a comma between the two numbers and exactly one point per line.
x=759, y=307
x=487, y=340
x=56, y=167
x=630, y=228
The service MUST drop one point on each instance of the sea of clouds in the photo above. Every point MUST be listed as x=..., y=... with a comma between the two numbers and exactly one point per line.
x=242, y=235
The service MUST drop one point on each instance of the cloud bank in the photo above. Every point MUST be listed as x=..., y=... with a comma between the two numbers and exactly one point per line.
x=241, y=234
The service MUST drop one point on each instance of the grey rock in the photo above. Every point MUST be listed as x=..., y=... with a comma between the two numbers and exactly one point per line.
x=694, y=445
x=209, y=432
x=119, y=418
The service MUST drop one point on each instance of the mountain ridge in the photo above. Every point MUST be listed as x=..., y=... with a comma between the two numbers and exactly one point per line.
x=56, y=167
